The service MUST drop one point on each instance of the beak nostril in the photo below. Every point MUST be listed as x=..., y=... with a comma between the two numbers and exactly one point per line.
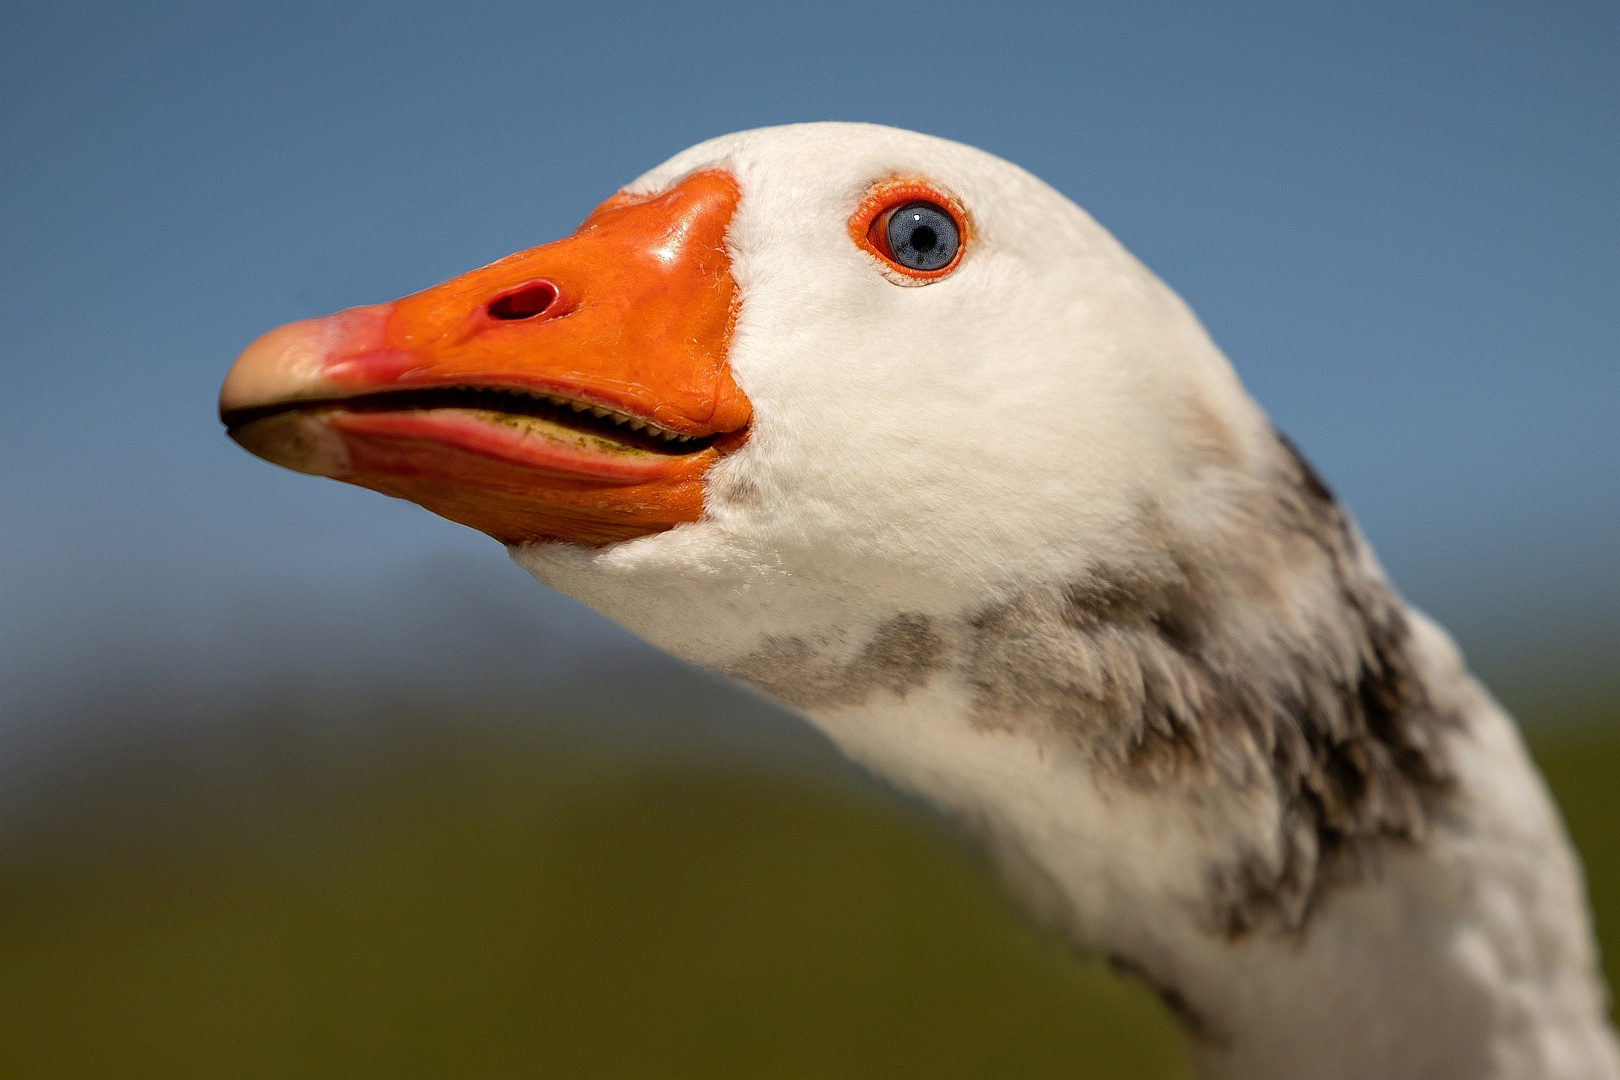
x=525, y=303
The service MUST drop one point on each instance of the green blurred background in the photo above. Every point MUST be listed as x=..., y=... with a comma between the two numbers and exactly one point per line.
x=417, y=902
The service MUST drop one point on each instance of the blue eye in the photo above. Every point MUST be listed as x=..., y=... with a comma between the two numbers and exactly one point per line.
x=922, y=236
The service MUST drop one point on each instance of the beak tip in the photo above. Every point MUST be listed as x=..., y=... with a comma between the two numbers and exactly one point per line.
x=273, y=368
x=290, y=362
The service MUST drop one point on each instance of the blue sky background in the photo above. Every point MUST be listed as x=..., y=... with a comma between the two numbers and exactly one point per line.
x=1400, y=221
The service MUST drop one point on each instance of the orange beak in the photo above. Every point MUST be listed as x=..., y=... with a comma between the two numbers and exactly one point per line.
x=577, y=391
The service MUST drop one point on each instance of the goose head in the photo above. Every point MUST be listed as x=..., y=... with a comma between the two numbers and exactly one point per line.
x=891, y=430
x=729, y=377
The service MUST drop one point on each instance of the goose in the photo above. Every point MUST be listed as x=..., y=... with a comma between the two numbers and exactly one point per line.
x=891, y=431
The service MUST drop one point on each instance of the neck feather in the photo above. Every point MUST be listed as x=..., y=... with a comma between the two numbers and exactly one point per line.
x=1240, y=766
x=1232, y=760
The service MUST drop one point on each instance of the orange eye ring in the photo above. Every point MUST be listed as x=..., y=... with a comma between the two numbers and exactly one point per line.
x=869, y=227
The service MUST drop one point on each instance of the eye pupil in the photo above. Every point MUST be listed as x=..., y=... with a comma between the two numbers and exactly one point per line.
x=923, y=236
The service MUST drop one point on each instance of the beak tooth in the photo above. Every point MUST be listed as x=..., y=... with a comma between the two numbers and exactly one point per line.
x=600, y=412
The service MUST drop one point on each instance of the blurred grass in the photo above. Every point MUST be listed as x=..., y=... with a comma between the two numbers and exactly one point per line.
x=498, y=909
x=511, y=911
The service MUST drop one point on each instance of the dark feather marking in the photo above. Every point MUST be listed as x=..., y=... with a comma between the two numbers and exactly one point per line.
x=1273, y=656
x=902, y=656
x=1262, y=659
